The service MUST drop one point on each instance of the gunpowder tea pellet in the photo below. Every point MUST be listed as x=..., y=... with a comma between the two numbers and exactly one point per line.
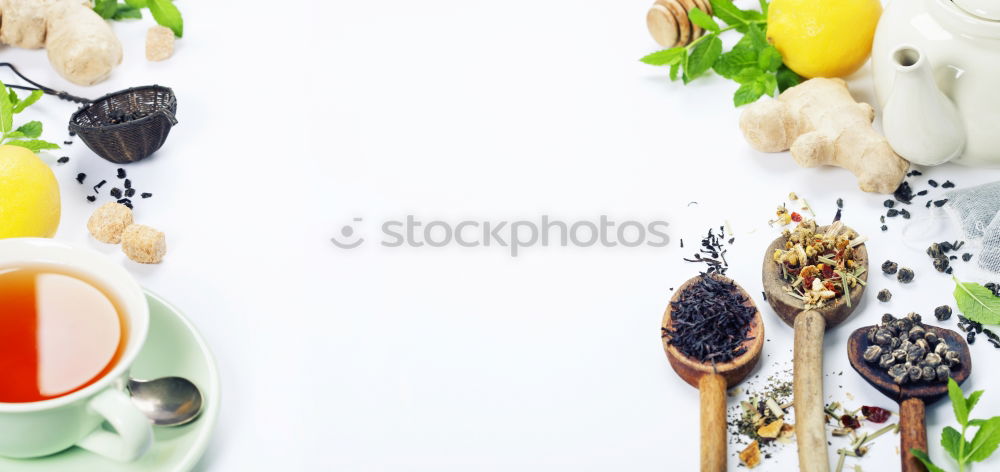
x=909, y=352
x=884, y=295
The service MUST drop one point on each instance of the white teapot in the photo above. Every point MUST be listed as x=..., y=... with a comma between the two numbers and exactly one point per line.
x=936, y=66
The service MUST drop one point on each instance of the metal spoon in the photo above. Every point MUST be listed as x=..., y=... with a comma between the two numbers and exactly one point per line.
x=166, y=401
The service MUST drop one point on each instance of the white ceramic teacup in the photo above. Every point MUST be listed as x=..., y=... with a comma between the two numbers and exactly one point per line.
x=46, y=427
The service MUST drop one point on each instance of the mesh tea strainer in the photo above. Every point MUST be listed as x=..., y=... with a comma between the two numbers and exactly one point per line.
x=124, y=126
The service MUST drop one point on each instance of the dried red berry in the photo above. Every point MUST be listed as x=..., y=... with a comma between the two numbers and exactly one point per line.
x=796, y=217
x=850, y=422
x=875, y=414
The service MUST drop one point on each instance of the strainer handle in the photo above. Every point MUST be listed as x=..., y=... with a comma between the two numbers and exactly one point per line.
x=38, y=86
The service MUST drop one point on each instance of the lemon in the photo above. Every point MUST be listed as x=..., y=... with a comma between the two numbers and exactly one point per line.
x=823, y=38
x=29, y=195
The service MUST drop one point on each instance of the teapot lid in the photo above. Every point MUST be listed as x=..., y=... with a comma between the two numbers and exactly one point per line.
x=984, y=9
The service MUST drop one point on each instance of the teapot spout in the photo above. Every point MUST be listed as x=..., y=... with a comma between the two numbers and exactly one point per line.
x=921, y=124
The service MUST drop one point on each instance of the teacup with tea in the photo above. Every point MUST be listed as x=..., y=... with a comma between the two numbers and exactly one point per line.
x=71, y=324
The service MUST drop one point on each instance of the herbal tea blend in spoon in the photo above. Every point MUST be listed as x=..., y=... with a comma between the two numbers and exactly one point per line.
x=910, y=363
x=814, y=277
x=712, y=334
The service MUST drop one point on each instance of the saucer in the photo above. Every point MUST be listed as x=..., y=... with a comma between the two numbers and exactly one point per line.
x=173, y=347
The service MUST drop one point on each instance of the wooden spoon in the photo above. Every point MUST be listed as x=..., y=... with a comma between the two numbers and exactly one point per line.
x=807, y=363
x=912, y=397
x=711, y=380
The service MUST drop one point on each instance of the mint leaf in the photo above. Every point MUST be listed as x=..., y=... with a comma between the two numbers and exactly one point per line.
x=167, y=14
x=702, y=19
x=986, y=441
x=127, y=12
x=737, y=59
x=666, y=57
x=922, y=456
x=970, y=402
x=787, y=78
x=702, y=57
x=976, y=302
x=106, y=8
x=763, y=7
x=31, y=129
x=748, y=93
x=755, y=37
x=770, y=83
x=28, y=101
x=958, y=402
x=748, y=75
x=769, y=58
x=673, y=70
x=136, y=3
x=34, y=145
x=726, y=11
x=754, y=15
x=13, y=97
x=951, y=441
x=6, y=111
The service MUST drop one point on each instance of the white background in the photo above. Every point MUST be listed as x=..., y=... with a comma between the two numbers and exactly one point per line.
x=296, y=117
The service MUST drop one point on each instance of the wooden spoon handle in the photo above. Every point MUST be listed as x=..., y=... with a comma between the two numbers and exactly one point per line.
x=713, y=423
x=913, y=433
x=810, y=420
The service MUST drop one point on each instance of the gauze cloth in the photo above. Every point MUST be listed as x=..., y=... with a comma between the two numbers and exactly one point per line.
x=975, y=209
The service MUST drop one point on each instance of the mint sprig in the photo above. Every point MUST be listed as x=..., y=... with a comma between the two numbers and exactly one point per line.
x=164, y=12
x=27, y=134
x=753, y=63
x=965, y=452
x=977, y=302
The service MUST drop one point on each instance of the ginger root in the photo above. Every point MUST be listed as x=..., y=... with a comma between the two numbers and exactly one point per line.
x=80, y=44
x=822, y=125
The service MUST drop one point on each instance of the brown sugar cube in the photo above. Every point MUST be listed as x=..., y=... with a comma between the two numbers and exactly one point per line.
x=109, y=221
x=144, y=244
x=159, y=43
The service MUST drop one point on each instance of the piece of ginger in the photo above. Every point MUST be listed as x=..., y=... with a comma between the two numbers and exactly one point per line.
x=751, y=455
x=819, y=121
x=80, y=44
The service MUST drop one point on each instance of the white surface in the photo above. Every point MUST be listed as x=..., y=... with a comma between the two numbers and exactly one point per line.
x=296, y=117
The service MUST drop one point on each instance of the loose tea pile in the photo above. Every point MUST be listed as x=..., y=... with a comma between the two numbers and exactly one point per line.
x=710, y=320
x=819, y=267
x=762, y=420
x=909, y=352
